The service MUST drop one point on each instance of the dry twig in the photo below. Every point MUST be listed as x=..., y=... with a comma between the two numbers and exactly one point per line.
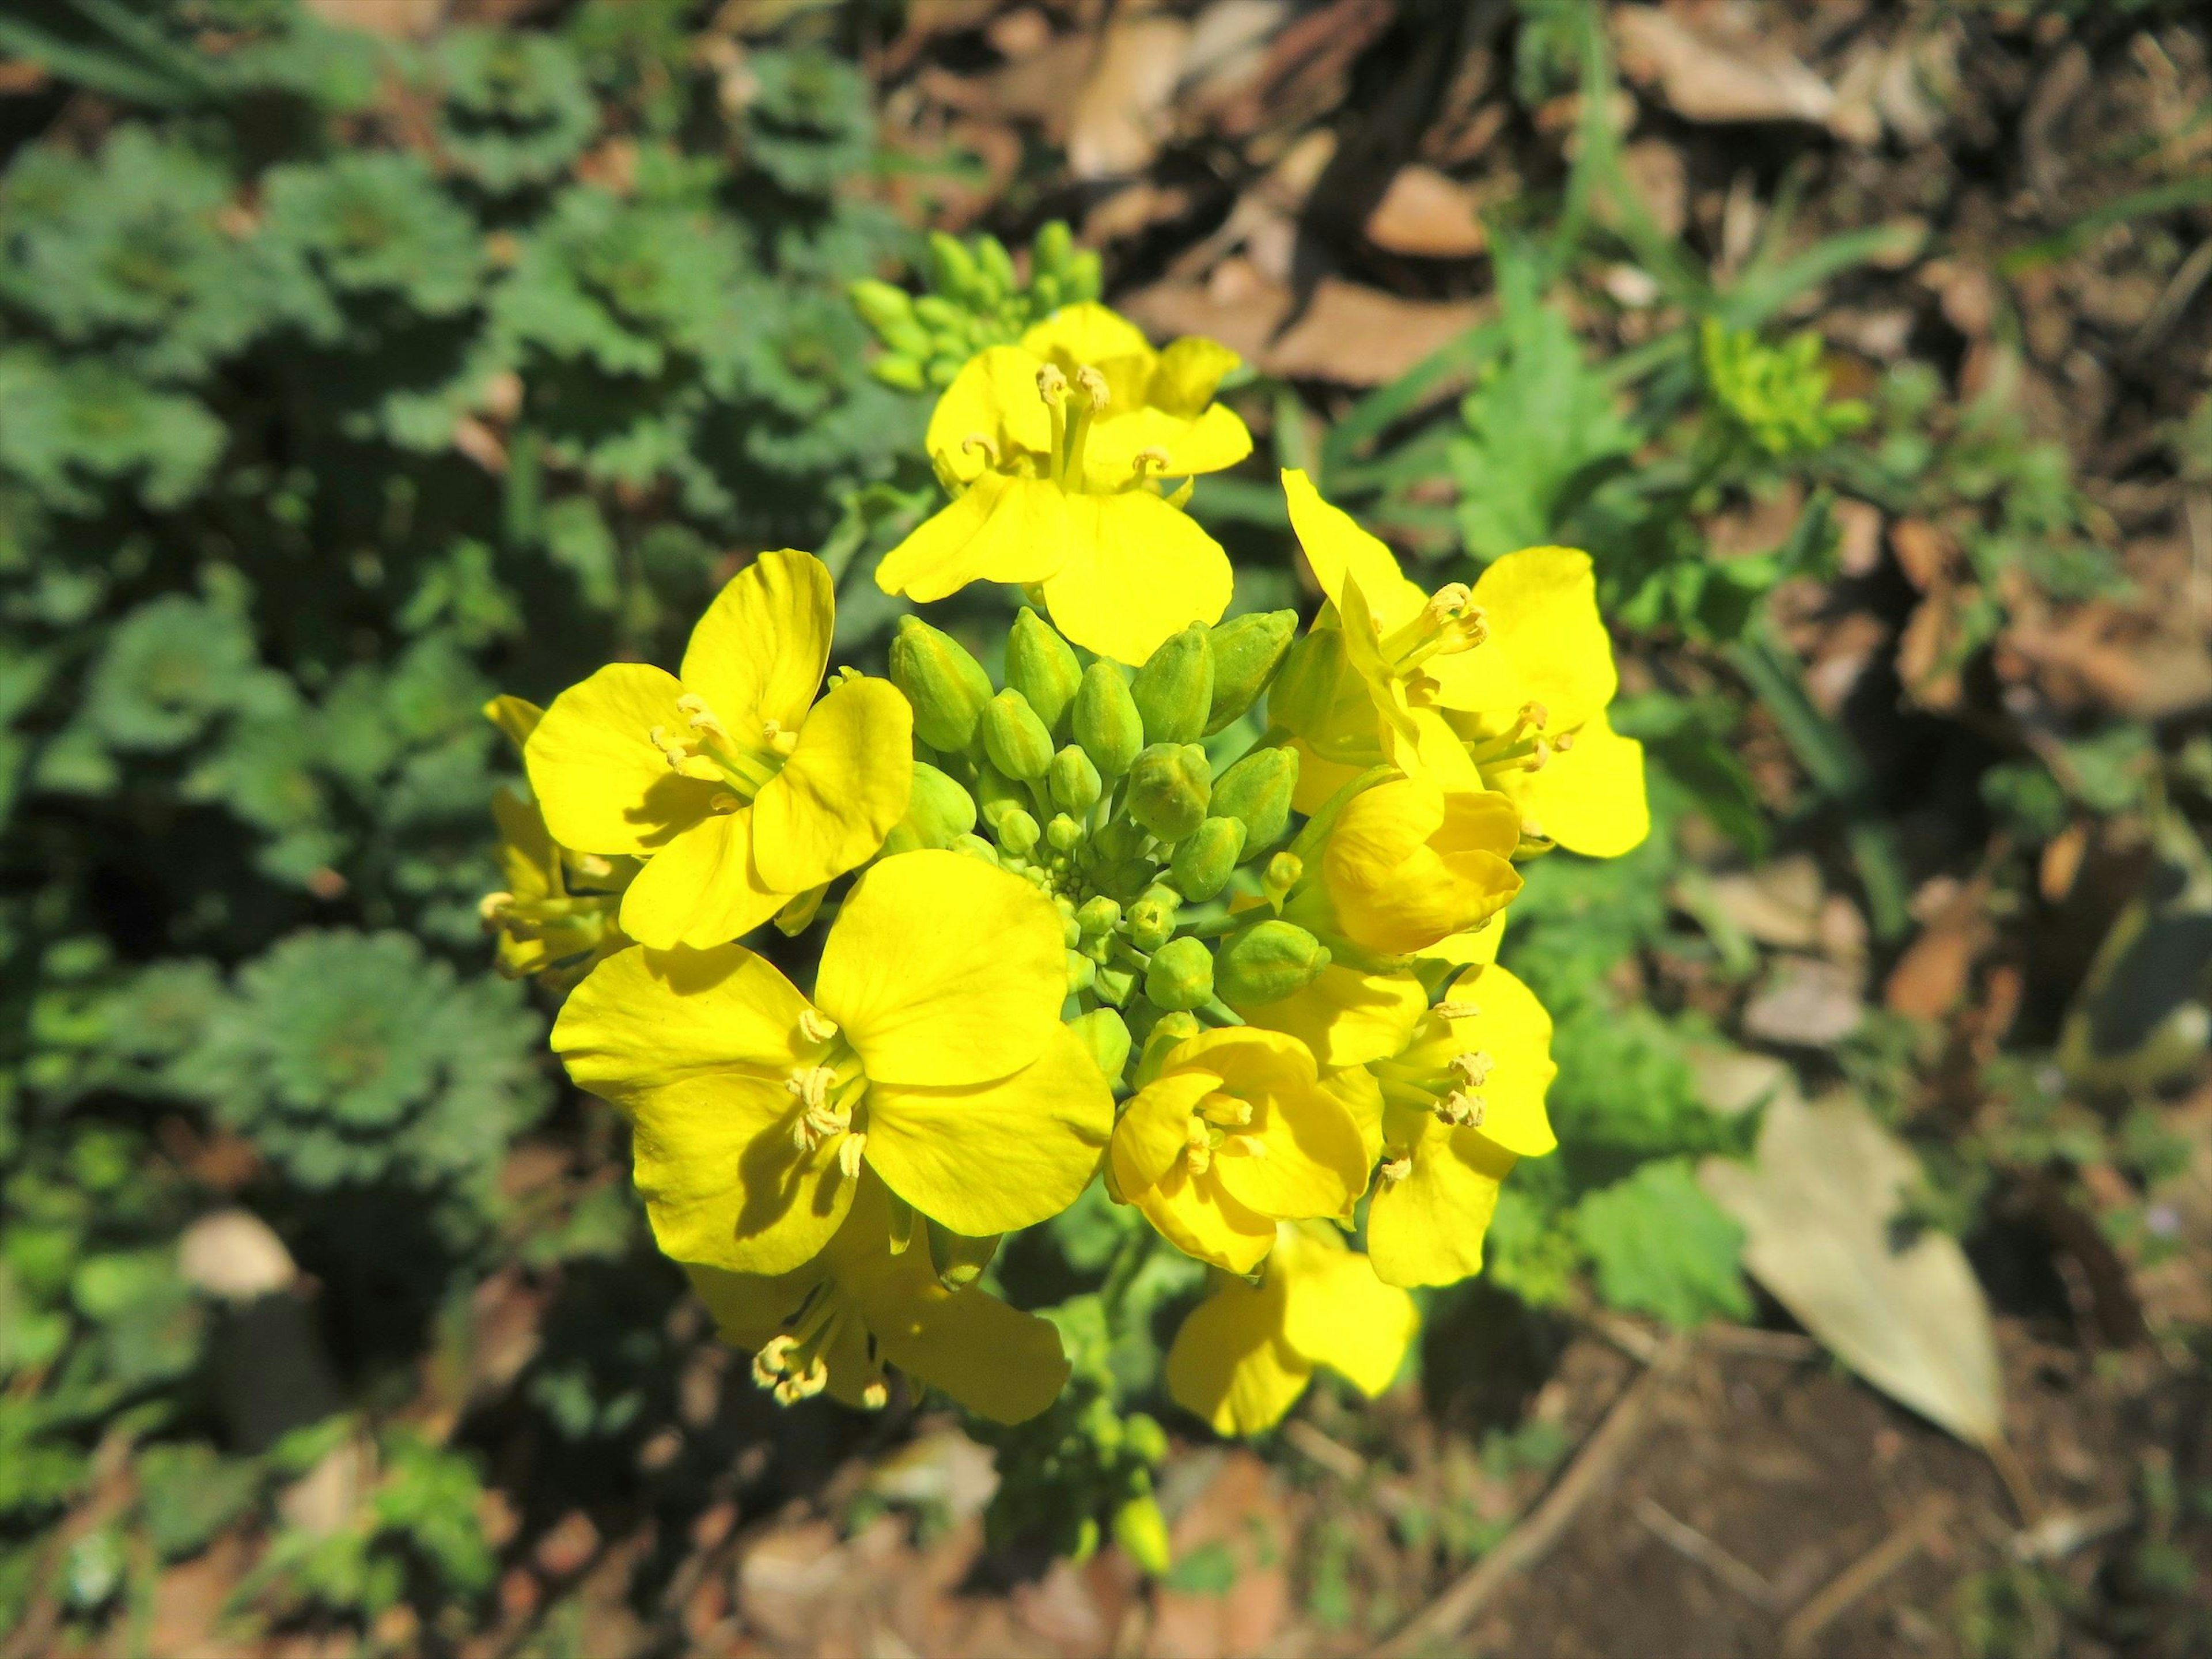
x=1831, y=1602
x=1687, y=1541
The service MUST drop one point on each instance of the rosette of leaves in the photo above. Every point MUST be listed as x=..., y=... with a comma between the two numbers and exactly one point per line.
x=373, y=225
x=353, y=1058
x=71, y=428
x=130, y=250
x=167, y=669
x=808, y=126
x=516, y=110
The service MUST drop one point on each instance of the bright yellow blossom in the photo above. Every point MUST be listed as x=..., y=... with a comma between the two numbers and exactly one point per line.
x=1053, y=450
x=933, y=1053
x=743, y=792
x=1407, y=864
x=1235, y=1134
x=1246, y=1353
x=1460, y=1103
x=1512, y=678
x=556, y=917
x=836, y=1322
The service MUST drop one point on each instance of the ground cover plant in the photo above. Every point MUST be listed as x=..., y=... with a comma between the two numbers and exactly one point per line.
x=1030, y=827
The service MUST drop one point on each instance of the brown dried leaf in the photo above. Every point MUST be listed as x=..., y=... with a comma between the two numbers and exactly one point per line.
x=1931, y=978
x=1121, y=114
x=1705, y=76
x=1426, y=216
x=1350, y=334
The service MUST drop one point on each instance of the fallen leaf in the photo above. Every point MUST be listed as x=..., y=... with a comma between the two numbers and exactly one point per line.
x=1817, y=1206
x=1925, y=553
x=1119, y=115
x=1931, y=978
x=1350, y=335
x=1778, y=903
x=235, y=1255
x=1426, y=216
x=1705, y=76
x=1806, y=1002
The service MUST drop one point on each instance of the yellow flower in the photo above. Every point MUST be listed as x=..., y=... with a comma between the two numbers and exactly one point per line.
x=836, y=1322
x=1235, y=1134
x=1510, y=679
x=556, y=917
x=1054, y=451
x=933, y=1053
x=1246, y=1353
x=741, y=795
x=1460, y=1105
x=1406, y=864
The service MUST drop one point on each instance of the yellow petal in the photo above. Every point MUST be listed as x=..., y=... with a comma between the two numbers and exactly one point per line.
x=1427, y=1229
x=1542, y=604
x=943, y=970
x=1001, y=529
x=527, y=860
x=1085, y=333
x=1315, y=1165
x=1345, y=1017
x=1361, y=1094
x=994, y=396
x=516, y=717
x=750, y=1307
x=1199, y=1217
x=1001, y=1363
x=1337, y=1313
x=1188, y=373
x=600, y=781
x=1406, y=865
x=1229, y=1364
x=703, y=888
x=1590, y=800
x=646, y=1019
x=1149, y=1136
x=1137, y=570
x=1319, y=778
x=844, y=786
x=1338, y=550
x=1474, y=947
x=758, y=653
x=990, y=1158
x=1515, y=1031
x=1205, y=443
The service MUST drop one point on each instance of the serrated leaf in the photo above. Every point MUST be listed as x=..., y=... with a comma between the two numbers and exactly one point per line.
x=1661, y=1247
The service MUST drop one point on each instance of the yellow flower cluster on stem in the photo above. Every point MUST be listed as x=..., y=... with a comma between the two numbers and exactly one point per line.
x=1203, y=916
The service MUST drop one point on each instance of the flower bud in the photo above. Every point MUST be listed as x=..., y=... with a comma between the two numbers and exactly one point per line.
x=883, y=307
x=1106, y=721
x=1303, y=694
x=1169, y=787
x=1014, y=737
x=1204, y=862
x=1257, y=791
x=1080, y=972
x=947, y=687
x=1086, y=276
x=1099, y=914
x=958, y=1259
x=1152, y=919
x=1106, y=1035
x=1160, y=1042
x=997, y=794
x=1018, y=831
x=1175, y=688
x=939, y=813
x=995, y=267
x=1062, y=833
x=976, y=848
x=1267, y=962
x=1050, y=248
x=1179, y=974
x=1119, y=842
x=1113, y=985
x=1284, y=871
x=904, y=372
x=1074, y=780
x=1142, y=1532
x=1246, y=650
x=952, y=268
x=1041, y=666
x=1145, y=1437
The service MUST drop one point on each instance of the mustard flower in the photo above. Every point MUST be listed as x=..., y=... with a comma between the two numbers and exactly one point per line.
x=1246, y=1353
x=931, y=1053
x=1054, y=451
x=1460, y=1103
x=742, y=792
x=835, y=1322
x=1236, y=1134
x=1506, y=684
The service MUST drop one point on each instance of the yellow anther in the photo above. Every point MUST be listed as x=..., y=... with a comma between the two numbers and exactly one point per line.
x=982, y=440
x=1052, y=385
x=723, y=801
x=1533, y=715
x=811, y=1085
x=1249, y=1146
x=591, y=865
x=1395, y=1169
x=492, y=906
x=1093, y=385
x=769, y=1365
x=1533, y=830
x=1155, y=459
x=850, y=1151
x=1475, y=1067
x=1449, y=602
x=875, y=1396
x=782, y=741
x=1564, y=742
x=1454, y=1008
x=816, y=1026
x=1463, y=1110
x=1542, y=753
x=1225, y=1111
x=676, y=752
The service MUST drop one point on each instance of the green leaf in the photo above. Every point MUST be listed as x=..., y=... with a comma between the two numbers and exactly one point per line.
x=1659, y=1246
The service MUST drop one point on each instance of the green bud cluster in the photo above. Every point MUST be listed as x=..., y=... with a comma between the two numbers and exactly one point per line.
x=975, y=298
x=1124, y=797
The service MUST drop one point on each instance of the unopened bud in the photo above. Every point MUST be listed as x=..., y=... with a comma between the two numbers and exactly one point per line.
x=952, y=268
x=1284, y=873
x=1247, y=651
x=1142, y=1533
x=976, y=848
x=947, y=687
x=997, y=794
x=1049, y=249
x=1169, y=784
x=883, y=307
x=1074, y=780
x=1062, y=833
x=1179, y=974
x=1204, y=861
x=1152, y=919
x=1041, y=666
x=1112, y=985
x=1081, y=969
x=1106, y=1035
x=1106, y=722
x=1303, y=693
x=1175, y=688
x=1257, y=791
x=1265, y=962
x=1014, y=737
x=959, y=1259
x=939, y=813
x=1018, y=831
x=1098, y=915
x=1168, y=1031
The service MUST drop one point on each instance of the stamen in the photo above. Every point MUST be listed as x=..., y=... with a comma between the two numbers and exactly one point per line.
x=875, y=1396
x=592, y=865
x=778, y=738
x=1533, y=715
x=1093, y=385
x=1395, y=1169
x=850, y=1151
x=1564, y=742
x=1475, y=1067
x=1052, y=385
x=676, y=752
x=701, y=718
x=1452, y=1008
x=723, y=801
x=769, y=1364
x=811, y=1085
x=816, y=1026
x=1449, y=602
x=1543, y=753
x=982, y=441
x=1198, y=1149
x=1533, y=830
x=1249, y=1146
x=1155, y=459
x=1225, y=1111
x=1462, y=1110
x=492, y=906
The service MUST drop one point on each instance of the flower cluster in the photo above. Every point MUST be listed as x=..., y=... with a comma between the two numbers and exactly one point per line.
x=1206, y=912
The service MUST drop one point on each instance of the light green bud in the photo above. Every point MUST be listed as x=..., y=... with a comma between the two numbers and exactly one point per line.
x=1085, y=1544
x=1063, y=833
x=881, y=305
x=1257, y=791
x=1106, y=1035
x=1303, y=691
x=1099, y=914
x=1080, y=971
x=995, y=266
x=1041, y=667
x=1113, y=985
x=947, y=687
x=997, y=794
x=937, y=313
x=1147, y=1439
x=952, y=268
x=1284, y=871
x=1265, y=962
x=1119, y=841
x=1170, y=786
x=1106, y=720
x=976, y=848
x=958, y=1259
x=1050, y=247
x=1160, y=1042
x=1142, y=1532
x=1014, y=737
x=1074, y=780
x=939, y=813
x=1204, y=862
x=1086, y=276
x=1247, y=650
x=1152, y=918
x=941, y=371
x=902, y=373
x=1018, y=831
x=1044, y=294
x=1175, y=688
